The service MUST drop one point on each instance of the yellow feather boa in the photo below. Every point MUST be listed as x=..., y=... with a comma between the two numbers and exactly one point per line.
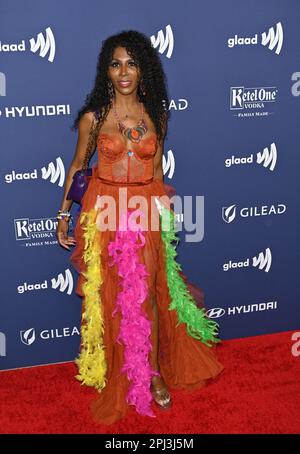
x=91, y=360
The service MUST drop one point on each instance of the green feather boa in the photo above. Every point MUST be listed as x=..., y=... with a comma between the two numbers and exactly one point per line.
x=197, y=324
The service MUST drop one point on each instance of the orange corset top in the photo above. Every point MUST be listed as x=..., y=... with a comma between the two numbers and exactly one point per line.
x=119, y=164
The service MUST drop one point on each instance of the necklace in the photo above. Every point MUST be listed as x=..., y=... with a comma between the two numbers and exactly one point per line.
x=135, y=133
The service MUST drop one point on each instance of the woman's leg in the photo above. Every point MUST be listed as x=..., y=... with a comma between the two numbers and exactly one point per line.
x=158, y=387
x=150, y=257
x=154, y=335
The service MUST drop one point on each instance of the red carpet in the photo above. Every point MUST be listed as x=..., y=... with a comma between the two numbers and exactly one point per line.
x=258, y=392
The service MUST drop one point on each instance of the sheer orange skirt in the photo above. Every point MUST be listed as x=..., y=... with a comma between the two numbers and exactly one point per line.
x=184, y=361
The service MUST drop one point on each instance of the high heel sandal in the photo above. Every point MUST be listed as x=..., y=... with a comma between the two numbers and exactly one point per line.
x=157, y=396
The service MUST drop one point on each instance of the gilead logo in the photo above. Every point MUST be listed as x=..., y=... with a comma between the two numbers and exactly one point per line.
x=28, y=336
x=57, y=333
x=229, y=213
x=178, y=104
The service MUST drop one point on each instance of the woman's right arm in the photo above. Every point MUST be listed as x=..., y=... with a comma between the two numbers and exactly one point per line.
x=84, y=127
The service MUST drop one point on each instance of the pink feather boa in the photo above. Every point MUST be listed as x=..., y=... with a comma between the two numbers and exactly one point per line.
x=135, y=328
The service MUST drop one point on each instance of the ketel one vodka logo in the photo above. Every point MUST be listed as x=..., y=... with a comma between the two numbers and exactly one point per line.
x=55, y=173
x=262, y=261
x=63, y=283
x=272, y=39
x=267, y=158
x=44, y=45
x=164, y=42
x=251, y=97
x=32, y=229
x=229, y=213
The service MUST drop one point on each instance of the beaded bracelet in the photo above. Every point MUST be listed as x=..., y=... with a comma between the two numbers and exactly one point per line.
x=64, y=215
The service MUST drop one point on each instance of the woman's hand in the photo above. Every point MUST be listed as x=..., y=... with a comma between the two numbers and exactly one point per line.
x=62, y=234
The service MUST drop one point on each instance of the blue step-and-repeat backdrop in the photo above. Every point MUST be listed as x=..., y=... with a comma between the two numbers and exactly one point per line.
x=233, y=73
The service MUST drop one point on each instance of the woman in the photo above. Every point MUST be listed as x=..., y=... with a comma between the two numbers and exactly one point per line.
x=142, y=332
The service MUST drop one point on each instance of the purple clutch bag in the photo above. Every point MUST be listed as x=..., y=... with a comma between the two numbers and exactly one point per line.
x=81, y=179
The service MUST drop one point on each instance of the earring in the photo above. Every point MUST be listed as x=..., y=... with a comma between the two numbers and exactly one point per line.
x=110, y=91
x=142, y=87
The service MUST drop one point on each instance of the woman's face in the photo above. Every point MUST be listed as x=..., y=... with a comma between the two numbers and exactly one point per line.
x=123, y=68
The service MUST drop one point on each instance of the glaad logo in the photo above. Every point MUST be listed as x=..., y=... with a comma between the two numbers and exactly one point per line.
x=44, y=46
x=28, y=336
x=2, y=84
x=2, y=344
x=29, y=229
x=169, y=164
x=217, y=312
x=164, y=42
x=63, y=283
x=48, y=110
x=263, y=261
x=268, y=158
x=54, y=173
x=251, y=98
x=229, y=213
x=271, y=39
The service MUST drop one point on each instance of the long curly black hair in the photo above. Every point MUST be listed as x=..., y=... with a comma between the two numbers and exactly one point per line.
x=156, y=100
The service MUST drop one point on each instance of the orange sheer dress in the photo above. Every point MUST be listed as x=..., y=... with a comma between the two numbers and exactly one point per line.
x=134, y=283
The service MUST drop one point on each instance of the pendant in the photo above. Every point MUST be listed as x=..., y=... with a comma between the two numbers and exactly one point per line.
x=134, y=134
x=130, y=153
